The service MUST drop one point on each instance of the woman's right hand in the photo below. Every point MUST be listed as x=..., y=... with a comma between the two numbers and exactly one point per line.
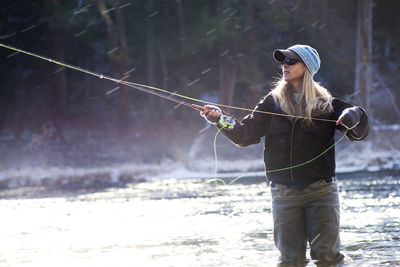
x=211, y=113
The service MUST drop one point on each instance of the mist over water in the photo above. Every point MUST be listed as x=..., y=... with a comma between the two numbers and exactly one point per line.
x=184, y=223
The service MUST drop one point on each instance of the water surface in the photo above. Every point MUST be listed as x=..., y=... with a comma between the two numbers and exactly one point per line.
x=184, y=223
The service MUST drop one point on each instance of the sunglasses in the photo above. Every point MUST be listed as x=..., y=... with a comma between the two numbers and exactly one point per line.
x=289, y=61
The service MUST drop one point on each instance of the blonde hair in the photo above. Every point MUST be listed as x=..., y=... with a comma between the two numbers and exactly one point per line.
x=314, y=99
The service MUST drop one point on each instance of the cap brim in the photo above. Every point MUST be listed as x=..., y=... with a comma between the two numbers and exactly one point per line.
x=280, y=55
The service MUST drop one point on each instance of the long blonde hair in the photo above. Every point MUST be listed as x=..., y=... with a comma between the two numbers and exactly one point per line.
x=314, y=99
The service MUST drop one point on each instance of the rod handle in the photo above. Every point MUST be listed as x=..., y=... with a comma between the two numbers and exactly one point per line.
x=197, y=107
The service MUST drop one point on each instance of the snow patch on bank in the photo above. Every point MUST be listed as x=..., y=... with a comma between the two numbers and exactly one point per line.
x=380, y=152
x=55, y=176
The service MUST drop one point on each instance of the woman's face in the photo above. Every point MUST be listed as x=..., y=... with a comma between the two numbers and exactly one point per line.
x=293, y=73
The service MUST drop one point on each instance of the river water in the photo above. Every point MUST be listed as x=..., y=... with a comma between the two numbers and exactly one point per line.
x=184, y=223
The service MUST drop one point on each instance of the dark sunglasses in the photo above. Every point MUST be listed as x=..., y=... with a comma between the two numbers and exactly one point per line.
x=290, y=61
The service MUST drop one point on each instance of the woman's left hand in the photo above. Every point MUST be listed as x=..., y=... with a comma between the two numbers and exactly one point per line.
x=350, y=117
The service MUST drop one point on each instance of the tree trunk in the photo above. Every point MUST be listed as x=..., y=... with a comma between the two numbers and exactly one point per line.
x=60, y=81
x=151, y=55
x=123, y=97
x=223, y=92
x=164, y=66
x=227, y=68
x=231, y=85
x=150, y=46
x=120, y=62
x=182, y=32
x=251, y=63
x=227, y=79
x=397, y=58
x=60, y=93
x=364, y=53
x=21, y=103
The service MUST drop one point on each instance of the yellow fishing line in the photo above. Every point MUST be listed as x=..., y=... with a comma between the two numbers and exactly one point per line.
x=222, y=105
x=141, y=86
x=136, y=85
x=270, y=171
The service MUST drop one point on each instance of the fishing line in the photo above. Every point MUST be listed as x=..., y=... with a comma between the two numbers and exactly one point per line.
x=216, y=180
x=101, y=76
x=151, y=89
x=156, y=91
x=223, y=105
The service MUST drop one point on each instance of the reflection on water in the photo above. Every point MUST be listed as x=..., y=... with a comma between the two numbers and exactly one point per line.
x=183, y=223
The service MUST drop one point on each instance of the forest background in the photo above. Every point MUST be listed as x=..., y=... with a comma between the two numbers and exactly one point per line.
x=215, y=50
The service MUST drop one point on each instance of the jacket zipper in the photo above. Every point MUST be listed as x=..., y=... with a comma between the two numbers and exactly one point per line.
x=291, y=149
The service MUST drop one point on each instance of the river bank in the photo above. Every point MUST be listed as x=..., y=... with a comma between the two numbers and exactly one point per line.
x=110, y=165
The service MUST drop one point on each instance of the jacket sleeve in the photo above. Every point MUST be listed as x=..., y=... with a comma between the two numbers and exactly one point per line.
x=360, y=131
x=251, y=129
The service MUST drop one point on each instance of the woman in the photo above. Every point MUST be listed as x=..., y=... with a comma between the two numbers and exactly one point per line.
x=305, y=198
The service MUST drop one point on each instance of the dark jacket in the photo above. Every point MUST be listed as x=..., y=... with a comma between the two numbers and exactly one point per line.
x=290, y=141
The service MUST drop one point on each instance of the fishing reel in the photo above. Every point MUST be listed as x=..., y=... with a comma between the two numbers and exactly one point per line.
x=225, y=121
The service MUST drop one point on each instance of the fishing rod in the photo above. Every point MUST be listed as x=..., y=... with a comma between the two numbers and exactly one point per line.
x=101, y=76
x=154, y=90
x=163, y=94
